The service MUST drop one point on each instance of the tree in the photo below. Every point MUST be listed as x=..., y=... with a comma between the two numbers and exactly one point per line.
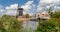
x=27, y=15
x=56, y=14
x=50, y=10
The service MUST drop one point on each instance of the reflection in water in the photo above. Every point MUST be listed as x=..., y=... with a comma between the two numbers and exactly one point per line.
x=30, y=25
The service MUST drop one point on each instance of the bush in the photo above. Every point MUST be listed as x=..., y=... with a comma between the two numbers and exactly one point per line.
x=10, y=24
x=51, y=25
x=55, y=14
x=27, y=15
x=0, y=30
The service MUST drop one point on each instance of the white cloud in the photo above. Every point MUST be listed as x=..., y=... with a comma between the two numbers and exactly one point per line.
x=47, y=3
x=56, y=7
x=13, y=6
x=11, y=12
x=55, y=1
x=39, y=9
x=12, y=9
x=1, y=10
x=28, y=7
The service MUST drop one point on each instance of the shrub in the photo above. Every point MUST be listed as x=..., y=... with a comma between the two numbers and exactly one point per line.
x=51, y=25
x=10, y=24
x=55, y=14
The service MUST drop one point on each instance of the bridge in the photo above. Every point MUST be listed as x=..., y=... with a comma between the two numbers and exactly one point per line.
x=33, y=19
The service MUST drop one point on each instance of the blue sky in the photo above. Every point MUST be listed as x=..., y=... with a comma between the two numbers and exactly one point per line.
x=30, y=6
x=9, y=2
x=20, y=2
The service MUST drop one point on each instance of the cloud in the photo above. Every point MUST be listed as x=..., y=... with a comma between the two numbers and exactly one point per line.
x=45, y=4
x=28, y=7
x=56, y=8
x=45, y=1
x=12, y=9
x=12, y=6
x=49, y=1
x=1, y=10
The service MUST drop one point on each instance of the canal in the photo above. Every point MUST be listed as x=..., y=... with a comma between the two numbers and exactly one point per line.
x=30, y=25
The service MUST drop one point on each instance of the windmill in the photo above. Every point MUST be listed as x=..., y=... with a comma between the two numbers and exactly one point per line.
x=19, y=11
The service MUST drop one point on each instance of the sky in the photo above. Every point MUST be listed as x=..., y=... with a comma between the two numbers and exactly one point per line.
x=9, y=7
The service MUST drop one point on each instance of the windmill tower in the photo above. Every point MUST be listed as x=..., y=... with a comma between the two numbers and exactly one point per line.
x=19, y=11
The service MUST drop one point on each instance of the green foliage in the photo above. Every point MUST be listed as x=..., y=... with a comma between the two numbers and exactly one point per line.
x=0, y=30
x=50, y=10
x=27, y=15
x=51, y=25
x=10, y=23
x=26, y=30
x=55, y=14
x=1, y=24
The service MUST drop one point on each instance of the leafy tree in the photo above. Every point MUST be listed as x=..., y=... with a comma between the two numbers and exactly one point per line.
x=27, y=15
x=50, y=10
x=55, y=14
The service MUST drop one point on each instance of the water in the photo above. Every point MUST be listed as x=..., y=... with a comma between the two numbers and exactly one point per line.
x=30, y=25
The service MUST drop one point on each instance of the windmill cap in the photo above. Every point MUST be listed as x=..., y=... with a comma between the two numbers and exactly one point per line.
x=20, y=8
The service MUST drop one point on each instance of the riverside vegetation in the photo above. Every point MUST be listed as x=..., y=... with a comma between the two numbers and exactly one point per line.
x=11, y=24
x=52, y=25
